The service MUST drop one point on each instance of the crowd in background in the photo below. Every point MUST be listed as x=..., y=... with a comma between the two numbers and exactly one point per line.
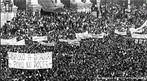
x=111, y=56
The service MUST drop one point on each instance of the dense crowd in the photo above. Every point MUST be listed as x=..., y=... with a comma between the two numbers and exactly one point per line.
x=111, y=56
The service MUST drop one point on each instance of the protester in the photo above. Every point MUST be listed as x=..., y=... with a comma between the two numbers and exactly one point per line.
x=111, y=56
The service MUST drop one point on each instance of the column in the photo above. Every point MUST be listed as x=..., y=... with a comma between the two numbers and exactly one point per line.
x=98, y=6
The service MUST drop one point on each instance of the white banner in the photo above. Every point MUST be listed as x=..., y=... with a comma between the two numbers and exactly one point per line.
x=140, y=29
x=71, y=42
x=12, y=41
x=143, y=36
x=133, y=30
x=89, y=35
x=83, y=35
x=74, y=42
x=30, y=61
x=142, y=26
x=48, y=44
x=98, y=35
x=120, y=33
x=39, y=38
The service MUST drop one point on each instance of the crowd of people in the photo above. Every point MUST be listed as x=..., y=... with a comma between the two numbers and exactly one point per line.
x=111, y=56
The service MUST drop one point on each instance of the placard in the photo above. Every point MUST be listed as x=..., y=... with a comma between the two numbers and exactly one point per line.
x=30, y=60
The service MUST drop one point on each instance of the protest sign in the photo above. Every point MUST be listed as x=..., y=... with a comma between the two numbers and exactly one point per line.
x=12, y=41
x=133, y=30
x=120, y=33
x=74, y=42
x=142, y=26
x=21, y=42
x=83, y=35
x=30, y=61
x=48, y=44
x=71, y=42
x=140, y=29
x=143, y=36
x=7, y=41
x=140, y=41
x=39, y=38
x=97, y=35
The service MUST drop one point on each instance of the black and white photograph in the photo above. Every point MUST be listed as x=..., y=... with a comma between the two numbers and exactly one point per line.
x=73, y=40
